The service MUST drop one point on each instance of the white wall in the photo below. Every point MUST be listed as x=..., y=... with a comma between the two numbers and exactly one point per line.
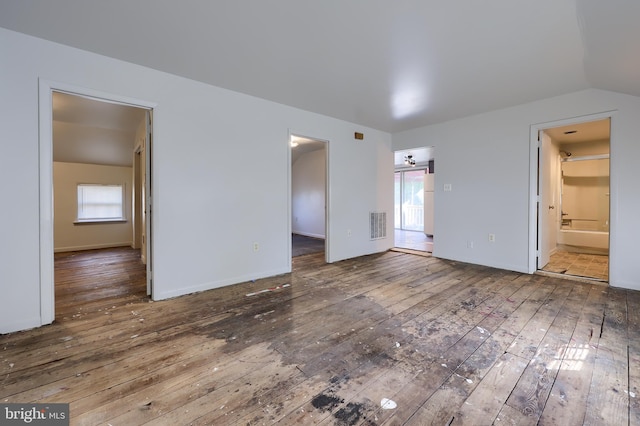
x=206, y=215
x=69, y=236
x=308, y=188
x=487, y=159
x=585, y=195
x=586, y=148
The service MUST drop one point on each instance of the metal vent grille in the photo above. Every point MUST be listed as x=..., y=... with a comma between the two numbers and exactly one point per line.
x=378, y=225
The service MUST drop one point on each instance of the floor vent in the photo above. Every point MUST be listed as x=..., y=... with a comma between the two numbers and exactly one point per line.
x=378, y=225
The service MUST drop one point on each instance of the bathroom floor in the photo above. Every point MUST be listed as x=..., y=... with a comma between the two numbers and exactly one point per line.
x=579, y=264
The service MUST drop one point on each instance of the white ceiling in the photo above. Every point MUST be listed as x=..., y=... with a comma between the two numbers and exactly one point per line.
x=578, y=133
x=92, y=131
x=303, y=146
x=390, y=65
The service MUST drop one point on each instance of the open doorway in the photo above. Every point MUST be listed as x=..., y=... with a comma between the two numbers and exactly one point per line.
x=91, y=199
x=309, y=199
x=414, y=199
x=574, y=188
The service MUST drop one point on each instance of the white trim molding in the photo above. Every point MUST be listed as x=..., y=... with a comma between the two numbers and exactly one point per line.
x=45, y=147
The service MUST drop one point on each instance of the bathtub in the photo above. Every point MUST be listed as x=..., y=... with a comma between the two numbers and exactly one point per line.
x=589, y=239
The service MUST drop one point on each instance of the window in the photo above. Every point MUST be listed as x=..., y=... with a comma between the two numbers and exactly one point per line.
x=100, y=203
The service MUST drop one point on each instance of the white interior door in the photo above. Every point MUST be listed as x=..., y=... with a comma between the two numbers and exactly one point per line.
x=147, y=204
x=548, y=181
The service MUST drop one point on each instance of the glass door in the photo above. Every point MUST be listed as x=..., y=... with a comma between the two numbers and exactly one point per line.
x=409, y=200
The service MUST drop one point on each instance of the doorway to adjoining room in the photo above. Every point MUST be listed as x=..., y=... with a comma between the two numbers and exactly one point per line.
x=308, y=195
x=413, y=195
x=100, y=175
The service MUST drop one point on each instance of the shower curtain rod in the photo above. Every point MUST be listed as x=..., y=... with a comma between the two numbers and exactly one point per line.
x=586, y=157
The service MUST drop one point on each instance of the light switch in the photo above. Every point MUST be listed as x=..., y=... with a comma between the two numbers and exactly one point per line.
x=447, y=187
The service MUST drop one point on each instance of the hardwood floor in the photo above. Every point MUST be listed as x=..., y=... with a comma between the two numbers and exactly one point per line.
x=390, y=339
x=88, y=280
x=301, y=245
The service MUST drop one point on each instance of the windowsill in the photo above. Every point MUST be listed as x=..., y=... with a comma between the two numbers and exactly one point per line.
x=98, y=221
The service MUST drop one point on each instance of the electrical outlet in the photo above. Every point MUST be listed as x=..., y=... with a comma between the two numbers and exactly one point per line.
x=256, y=247
x=447, y=187
x=492, y=238
x=470, y=244
x=348, y=232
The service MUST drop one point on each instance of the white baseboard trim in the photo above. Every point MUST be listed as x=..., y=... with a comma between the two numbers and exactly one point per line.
x=21, y=325
x=159, y=294
x=91, y=247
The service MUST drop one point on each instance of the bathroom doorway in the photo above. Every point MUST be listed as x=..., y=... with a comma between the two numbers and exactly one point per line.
x=574, y=188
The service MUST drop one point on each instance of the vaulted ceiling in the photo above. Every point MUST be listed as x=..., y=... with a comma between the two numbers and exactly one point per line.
x=94, y=132
x=390, y=65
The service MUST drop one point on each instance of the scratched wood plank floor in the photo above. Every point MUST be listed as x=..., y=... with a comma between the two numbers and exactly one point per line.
x=385, y=339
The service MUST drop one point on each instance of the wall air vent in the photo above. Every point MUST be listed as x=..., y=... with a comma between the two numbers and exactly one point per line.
x=378, y=225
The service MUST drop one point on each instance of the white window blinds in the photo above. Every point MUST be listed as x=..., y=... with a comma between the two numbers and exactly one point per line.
x=100, y=202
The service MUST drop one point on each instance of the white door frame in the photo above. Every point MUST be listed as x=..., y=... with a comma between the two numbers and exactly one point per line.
x=533, y=180
x=45, y=145
x=327, y=196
